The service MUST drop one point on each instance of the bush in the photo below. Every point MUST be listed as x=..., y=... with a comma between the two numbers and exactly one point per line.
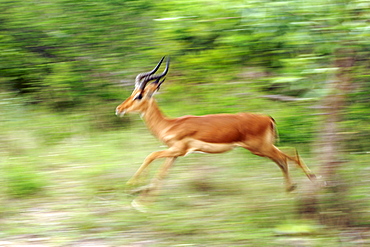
x=22, y=180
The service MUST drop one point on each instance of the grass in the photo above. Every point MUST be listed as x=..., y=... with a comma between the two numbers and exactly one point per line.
x=63, y=184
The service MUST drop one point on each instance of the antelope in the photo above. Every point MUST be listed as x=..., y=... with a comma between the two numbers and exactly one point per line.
x=215, y=133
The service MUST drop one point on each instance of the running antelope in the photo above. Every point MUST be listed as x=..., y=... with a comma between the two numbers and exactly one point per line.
x=216, y=133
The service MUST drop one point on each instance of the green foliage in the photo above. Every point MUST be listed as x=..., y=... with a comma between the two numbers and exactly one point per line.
x=67, y=169
x=356, y=130
x=22, y=179
x=57, y=53
x=297, y=126
x=75, y=186
x=295, y=39
x=64, y=54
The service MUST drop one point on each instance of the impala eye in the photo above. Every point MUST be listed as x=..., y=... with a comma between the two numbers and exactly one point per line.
x=139, y=96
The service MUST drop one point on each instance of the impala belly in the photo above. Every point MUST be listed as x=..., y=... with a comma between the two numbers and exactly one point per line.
x=206, y=147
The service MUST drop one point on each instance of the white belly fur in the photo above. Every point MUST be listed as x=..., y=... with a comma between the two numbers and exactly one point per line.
x=205, y=147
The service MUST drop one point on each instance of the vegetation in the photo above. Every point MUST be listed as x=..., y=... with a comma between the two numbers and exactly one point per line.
x=65, y=157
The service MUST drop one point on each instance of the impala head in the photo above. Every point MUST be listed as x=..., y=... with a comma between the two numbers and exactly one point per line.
x=140, y=98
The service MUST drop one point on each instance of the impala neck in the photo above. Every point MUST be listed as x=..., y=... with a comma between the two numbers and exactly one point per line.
x=155, y=119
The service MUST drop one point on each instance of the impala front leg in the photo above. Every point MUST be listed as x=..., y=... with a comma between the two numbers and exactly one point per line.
x=149, y=192
x=149, y=159
x=172, y=152
x=157, y=181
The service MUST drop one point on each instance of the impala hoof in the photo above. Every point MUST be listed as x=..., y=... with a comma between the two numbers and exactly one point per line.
x=141, y=189
x=133, y=182
x=291, y=188
x=312, y=177
x=138, y=206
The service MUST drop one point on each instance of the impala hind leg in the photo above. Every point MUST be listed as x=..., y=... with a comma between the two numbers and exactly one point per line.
x=280, y=159
x=283, y=165
x=303, y=166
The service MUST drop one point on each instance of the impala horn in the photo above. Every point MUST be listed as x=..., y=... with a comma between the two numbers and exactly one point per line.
x=151, y=77
x=140, y=76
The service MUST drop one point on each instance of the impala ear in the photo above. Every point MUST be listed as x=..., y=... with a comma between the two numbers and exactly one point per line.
x=150, y=94
x=158, y=83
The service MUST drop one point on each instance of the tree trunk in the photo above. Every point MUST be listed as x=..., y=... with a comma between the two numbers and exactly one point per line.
x=326, y=201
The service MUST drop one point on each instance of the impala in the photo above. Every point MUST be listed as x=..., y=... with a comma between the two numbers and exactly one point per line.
x=216, y=133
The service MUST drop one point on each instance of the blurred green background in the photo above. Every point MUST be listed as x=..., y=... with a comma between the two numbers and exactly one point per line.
x=65, y=157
